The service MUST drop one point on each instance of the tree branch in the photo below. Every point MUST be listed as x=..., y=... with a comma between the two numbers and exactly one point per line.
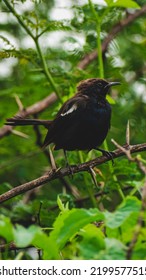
x=52, y=175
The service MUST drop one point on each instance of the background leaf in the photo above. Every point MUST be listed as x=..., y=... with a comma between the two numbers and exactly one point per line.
x=129, y=206
x=6, y=228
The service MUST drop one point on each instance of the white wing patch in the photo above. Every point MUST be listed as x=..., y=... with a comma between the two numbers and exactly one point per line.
x=73, y=108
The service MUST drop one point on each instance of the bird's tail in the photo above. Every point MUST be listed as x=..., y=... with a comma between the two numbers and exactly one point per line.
x=20, y=121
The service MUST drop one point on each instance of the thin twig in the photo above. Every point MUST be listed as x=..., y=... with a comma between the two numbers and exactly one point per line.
x=128, y=134
x=19, y=133
x=19, y=103
x=123, y=149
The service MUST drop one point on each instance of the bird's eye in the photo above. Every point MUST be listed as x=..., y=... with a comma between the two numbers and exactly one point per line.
x=100, y=84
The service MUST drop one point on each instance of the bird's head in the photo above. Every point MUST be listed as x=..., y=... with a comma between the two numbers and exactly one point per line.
x=95, y=87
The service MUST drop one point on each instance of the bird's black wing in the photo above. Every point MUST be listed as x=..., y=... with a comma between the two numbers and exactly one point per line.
x=67, y=114
x=77, y=103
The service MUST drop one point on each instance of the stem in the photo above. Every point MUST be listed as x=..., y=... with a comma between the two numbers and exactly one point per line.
x=113, y=175
x=46, y=70
x=35, y=39
x=93, y=10
x=99, y=50
x=80, y=155
x=99, y=46
x=90, y=192
x=18, y=18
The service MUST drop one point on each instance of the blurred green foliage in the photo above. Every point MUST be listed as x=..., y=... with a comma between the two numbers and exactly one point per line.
x=62, y=215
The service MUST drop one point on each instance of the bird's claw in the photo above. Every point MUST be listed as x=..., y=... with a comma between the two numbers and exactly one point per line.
x=109, y=155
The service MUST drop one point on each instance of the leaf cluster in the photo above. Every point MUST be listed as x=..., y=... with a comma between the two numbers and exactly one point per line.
x=80, y=233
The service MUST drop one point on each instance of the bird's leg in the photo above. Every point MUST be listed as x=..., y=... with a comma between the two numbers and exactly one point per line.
x=107, y=154
x=52, y=160
x=67, y=163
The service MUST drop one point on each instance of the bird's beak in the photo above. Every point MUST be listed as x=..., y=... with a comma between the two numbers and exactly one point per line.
x=114, y=84
x=106, y=88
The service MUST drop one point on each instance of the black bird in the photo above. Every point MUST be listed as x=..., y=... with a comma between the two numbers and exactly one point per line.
x=83, y=121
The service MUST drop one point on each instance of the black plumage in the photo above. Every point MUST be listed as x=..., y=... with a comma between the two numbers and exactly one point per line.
x=83, y=121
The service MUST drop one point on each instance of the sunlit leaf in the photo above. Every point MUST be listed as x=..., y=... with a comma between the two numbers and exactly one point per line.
x=70, y=222
x=110, y=99
x=122, y=3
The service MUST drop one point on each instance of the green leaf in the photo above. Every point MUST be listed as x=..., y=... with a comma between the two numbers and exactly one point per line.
x=49, y=248
x=24, y=236
x=61, y=206
x=57, y=25
x=127, y=4
x=70, y=222
x=92, y=242
x=6, y=228
x=110, y=99
x=139, y=252
x=115, y=250
x=33, y=235
x=109, y=2
x=122, y=3
x=128, y=227
x=117, y=218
